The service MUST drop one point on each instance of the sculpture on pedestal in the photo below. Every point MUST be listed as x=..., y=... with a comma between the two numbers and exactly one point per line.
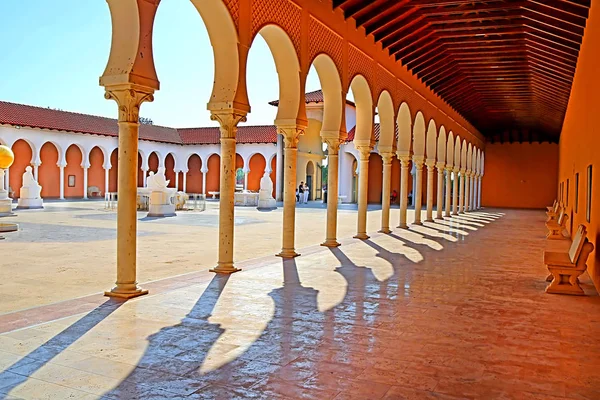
x=265, y=195
x=30, y=193
x=7, y=158
x=162, y=202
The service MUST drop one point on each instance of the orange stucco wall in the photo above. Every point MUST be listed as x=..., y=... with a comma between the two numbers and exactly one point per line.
x=194, y=176
x=113, y=173
x=96, y=171
x=519, y=175
x=257, y=169
x=375, y=178
x=73, y=168
x=170, y=170
x=49, y=174
x=23, y=155
x=214, y=173
x=579, y=145
x=274, y=174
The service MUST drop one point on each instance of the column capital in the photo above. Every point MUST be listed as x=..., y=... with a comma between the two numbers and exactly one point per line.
x=418, y=161
x=61, y=164
x=404, y=159
x=129, y=98
x=441, y=166
x=333, y=144
x=387, y=157
x=291, y=134
x=365, y=152
x=85, y=165
x=430, y=164
x=228, y=120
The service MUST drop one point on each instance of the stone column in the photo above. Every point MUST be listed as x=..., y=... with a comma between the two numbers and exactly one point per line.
x=386, y=189
x=177, y=180
x=413, y=173
x=204, y=171
x=333, y=149
x=448, y=191
x=228, y=120
x=61, y=181
x=85, y=181
x=467, y=203
x=246, y=173
x=36, y=168
x=430, y=170
x=129, y=101
x=106, y=179
x=363, y=190
x=185, y=180
x=461, y=196
x=279, y=176
x=7, y=179
x=291, y=136
x=479, y=191
x=417, y=198
x=455, y=185
x=474, y=191
x=145, y=177
x=404, y=161
x=440, y=191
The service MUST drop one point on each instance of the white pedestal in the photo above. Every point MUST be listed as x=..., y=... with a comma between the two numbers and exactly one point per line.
x=161, y=204
x=5, y=207
x=29, y=204
x=267, y=204
x=245, y=199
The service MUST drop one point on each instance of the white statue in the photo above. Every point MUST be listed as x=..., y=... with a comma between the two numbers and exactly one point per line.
x=265, y=195
x=158, y=181
x=30, y=193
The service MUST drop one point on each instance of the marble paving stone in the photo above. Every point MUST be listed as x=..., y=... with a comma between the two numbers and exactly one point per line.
x=450, y=310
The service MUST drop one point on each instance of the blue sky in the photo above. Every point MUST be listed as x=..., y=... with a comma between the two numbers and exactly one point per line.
x=53, y=52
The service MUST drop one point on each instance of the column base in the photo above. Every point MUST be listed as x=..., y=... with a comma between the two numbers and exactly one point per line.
x=361, y=236
x=402, y=226
x=287, y=254
x=225, y=269
x=385, y=230
x=126, y=294
x=417, y=223
x=331, y=243
x=429, y=220
x=455, y=213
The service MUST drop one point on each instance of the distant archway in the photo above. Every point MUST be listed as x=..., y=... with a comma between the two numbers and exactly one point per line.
x=74, y=172
x=257, y=165
x=49, y=173
x=23, y=156
x=194, y=174
x=96, y=170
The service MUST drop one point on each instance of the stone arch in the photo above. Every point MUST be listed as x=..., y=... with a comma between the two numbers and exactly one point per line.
x=96, y=158
x=194, y=174
x=450, y=150
x=257, y=163
x=74, y=157
x=469, y=157
x=474, y=167
x=141, y=172
x=463, y=155
x=331, y=85
x=419, y=135
x=457, y=152
x=431, y=140
x=441, y=145
x=364, y=110
x=387, y=126
x=49, y=173
x=404, y=121
x=478, y=161
x=288, y=71
x=113, y=174
x=154, y=161
x=24, y=154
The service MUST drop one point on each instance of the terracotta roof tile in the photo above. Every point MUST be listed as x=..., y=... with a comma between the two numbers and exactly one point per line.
x=312, y=97
x=46, y=118
x=376, y=130
x=245, y=134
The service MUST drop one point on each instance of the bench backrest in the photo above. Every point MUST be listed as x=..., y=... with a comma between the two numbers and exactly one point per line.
x=562, y=219
x=577, y=245
x=557, y=207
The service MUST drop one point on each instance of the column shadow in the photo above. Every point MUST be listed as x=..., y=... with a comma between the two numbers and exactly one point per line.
x=20, y=371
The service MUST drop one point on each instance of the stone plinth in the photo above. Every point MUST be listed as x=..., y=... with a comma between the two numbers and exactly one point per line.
x=246, y=199
x=29, y=204
x=162, y=203
x=5, y=207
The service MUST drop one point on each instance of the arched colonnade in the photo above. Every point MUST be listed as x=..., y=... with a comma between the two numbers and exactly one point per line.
x=299, y=35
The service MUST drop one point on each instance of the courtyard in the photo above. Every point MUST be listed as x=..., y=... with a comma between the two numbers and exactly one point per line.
x=451, y=309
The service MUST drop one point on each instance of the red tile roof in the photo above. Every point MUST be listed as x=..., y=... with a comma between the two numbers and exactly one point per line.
x=245, y=134
x=46, y=118
x=376, y=131
x=312, y=97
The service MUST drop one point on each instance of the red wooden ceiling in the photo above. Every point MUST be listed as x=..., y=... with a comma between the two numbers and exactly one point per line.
x=506, y=65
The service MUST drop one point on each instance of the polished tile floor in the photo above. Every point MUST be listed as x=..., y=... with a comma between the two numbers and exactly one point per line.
x=449, y=310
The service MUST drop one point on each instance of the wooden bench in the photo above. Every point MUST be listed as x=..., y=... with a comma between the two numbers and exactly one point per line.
x=552, y=207
x=214, y=194
x=554, y=215
x=556, y=228
x=566, y=267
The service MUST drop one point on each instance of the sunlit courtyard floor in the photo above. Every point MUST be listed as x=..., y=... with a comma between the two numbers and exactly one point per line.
x=450, y=310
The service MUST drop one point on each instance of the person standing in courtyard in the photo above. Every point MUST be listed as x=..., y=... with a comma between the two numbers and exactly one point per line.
x=306, y=192
x=301, y=192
